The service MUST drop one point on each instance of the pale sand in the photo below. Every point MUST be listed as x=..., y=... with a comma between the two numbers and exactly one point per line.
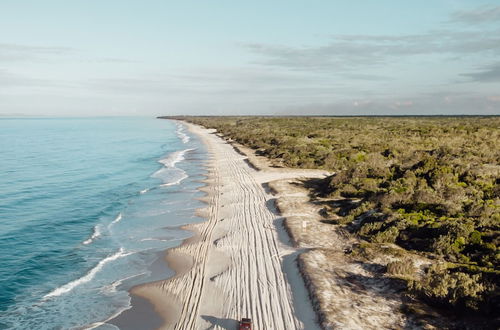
x=236, y=265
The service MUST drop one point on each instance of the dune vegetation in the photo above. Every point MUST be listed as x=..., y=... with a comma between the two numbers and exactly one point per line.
x=430, y=185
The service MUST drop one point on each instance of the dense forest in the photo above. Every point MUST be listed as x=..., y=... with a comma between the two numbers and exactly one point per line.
x=428, y=184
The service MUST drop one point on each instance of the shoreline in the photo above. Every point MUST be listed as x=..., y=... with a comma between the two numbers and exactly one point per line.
x=240, y=262
x=145, y=300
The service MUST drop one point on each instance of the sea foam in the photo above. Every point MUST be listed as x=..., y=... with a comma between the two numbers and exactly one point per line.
x=174, y=158
x=94, y=236
x=112, y=287
x=170, y=174
x=180, y=133
x=117, y=219
x=173, y=183
x=87, y=277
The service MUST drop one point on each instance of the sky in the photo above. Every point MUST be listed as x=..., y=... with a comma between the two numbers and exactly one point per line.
x=148, y=58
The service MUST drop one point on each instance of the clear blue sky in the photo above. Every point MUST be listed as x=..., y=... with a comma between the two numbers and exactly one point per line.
x=87, y=58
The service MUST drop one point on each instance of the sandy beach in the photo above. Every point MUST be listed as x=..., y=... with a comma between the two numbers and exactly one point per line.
x=265, y=253
x=239, y=263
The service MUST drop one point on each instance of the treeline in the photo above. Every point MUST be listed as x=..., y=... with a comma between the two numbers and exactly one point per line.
x=428, y=184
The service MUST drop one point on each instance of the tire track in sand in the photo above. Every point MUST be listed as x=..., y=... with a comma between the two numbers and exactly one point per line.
x=234, y=266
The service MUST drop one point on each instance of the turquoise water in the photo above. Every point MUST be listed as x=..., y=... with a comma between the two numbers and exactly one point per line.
x=86, y=208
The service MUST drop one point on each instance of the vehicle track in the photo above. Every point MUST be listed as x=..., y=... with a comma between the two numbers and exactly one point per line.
x=236, y=269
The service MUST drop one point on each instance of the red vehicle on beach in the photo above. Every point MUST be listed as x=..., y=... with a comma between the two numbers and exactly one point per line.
x=245, y=324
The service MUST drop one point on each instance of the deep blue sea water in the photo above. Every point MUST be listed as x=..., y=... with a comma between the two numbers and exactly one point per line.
x=86, y=208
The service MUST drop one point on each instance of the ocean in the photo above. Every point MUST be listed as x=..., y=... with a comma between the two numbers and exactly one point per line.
x=87, y=207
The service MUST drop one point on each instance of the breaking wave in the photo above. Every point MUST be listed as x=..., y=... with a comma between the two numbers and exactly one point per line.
x=87, y=277
x=180, y=133
x=94, y=236
x=117, y=219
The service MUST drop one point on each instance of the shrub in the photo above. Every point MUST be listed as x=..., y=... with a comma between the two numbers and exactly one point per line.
x=401, y=268
x=370, y=227
x=387, y=236
x=435, y=182
x=453, y=289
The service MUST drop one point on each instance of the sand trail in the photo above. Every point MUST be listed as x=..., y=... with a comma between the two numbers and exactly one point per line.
x=232, y=268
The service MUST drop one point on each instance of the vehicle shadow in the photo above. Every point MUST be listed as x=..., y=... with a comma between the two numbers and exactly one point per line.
x=228, y=324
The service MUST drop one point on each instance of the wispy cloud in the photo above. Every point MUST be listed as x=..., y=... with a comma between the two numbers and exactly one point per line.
x=348, y=52
x=113, y=60
x=10, y=80
x=490, y=73
x=481, y=15
x=15, y=52
x=18, y=53
x=439, y=103
x=221, y=81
